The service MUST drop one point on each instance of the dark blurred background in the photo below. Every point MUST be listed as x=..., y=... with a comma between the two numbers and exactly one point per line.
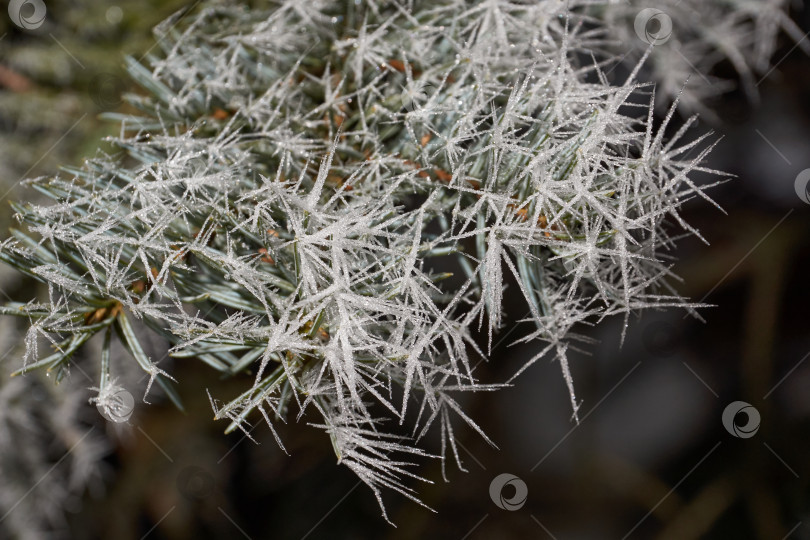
x=650, y=456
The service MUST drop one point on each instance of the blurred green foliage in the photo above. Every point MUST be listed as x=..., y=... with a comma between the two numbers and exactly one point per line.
x=56, y=79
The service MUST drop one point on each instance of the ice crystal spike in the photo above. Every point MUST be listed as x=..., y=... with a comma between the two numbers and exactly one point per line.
x=298, y=179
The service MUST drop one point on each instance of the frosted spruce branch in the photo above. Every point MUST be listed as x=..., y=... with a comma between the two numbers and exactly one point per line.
x=687, y=39
x=332, y=197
